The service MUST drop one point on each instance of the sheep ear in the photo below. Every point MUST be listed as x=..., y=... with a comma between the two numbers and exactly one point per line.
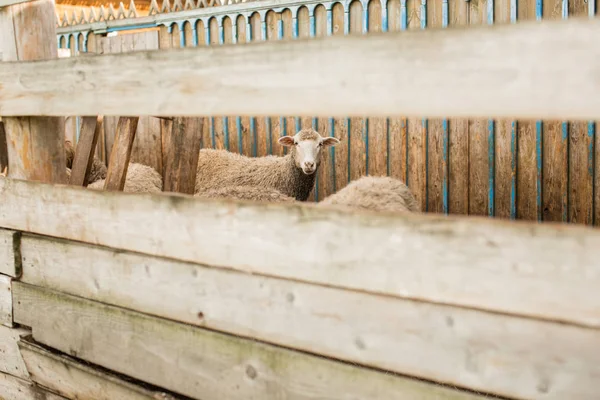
x=330, y=141
x=286, y=141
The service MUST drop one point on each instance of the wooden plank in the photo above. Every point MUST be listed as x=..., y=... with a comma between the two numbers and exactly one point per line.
x=10, y=253
x=200, y=363
x=517, y=51
x=6, y=304
x=76, y=380
x=86, y=147
x=35, y=145
x=13, y=388
x=11, y=361
x=309, y=318
x=181, y=147
x=3, y=148
x=6, y=3
x=121, y=153
x=545, y=271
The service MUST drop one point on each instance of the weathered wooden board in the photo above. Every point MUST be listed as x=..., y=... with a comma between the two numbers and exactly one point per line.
x=120, y=154
x=86, y=147
x=201, y=363
x=549, y=271
x=326, y=321
x=6, y=306
x=11, y=361
x=3, y=149
x=180, y=149
x=276, y=78
x=10, y=258
x=75, y=380
x=13, y=388
x=35, y=145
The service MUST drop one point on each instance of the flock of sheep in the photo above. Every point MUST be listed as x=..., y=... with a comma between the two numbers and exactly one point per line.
x=290, y=178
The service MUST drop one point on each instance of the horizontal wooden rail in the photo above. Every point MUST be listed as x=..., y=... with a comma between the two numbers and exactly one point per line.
x=536, y=70
x=542, y=270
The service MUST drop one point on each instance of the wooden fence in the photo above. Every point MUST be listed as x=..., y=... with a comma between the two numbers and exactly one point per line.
x=529, y=169
x=109, y=295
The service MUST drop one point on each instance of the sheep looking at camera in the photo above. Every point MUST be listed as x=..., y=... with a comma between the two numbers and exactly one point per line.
x=293, y=175
x=140, y=179
x=377, y=193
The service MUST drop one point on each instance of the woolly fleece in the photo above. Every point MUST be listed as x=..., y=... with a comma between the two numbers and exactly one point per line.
x=253, y=193
x=221, y=168
x=140, y=179
x=377, y=193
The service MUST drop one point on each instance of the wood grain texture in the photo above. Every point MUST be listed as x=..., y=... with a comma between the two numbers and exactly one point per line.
x=121, y=153
x=527, y=207
x=555, y=172
x=86, y=147
x=181, y=147
x=518, y=51
x=76, y=380
x=316, y=319
x=6, y=303
x=10, y=253
x=478, y=167
x=201, y=363
x=13, y=388
x=35, y=145
x=551, y=271
x=11, y=361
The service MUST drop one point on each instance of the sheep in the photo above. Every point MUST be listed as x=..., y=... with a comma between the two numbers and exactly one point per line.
x=378, y=193
x=140, y=179
x=293, y=175
x=98, y=170
x=254, y=193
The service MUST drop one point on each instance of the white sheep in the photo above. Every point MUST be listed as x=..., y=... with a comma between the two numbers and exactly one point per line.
x=293, y=175
x=377, y=193
x=140, y=179
x=253, y=193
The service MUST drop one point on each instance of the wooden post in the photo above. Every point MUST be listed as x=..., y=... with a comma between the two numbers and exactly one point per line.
x=3, y=149
x=180, y=146
x=121, y=153
x=35, y=144
x=86, y=147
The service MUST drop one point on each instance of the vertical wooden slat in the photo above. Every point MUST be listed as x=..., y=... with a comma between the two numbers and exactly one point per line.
x=121, y=153
x=180, y=149
x=436, y=163
x=397, y=161
x=274, y=128
x=458, y=135
x=229, y=122
x=84, y=152
x=35, y=145
x=340, y=127
x=244, y=128
x=357, y=130
x=377, y=135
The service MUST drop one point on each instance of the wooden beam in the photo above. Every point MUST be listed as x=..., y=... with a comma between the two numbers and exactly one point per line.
x=181, y=139
x=14, y=388
x=3, y=148
x=199, y=363
x=35, y=144
x=121, y=153
x=354, y=326
x=76, y=380
x=548, y=271
x=86, y=148
x=10, y=253
x=11, y=361
x=512, y=71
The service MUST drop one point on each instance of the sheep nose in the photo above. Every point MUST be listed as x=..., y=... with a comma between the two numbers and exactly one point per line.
x=309, y=164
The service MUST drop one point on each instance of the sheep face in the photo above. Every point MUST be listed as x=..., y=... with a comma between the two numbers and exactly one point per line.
x=306, y=148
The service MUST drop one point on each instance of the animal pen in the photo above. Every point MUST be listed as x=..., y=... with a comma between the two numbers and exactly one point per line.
x=111, y=295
